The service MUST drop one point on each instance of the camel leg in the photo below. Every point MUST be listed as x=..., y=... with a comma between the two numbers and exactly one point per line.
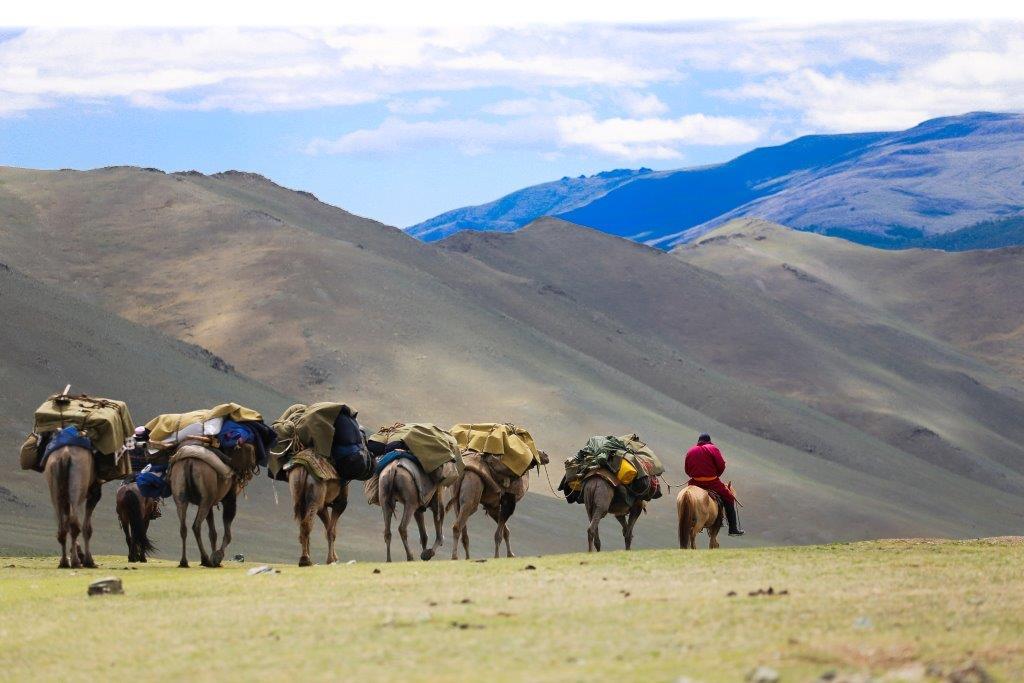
x=437, y=512
x=202, y=513
x=62, y=519
x=508, y=542
x=419, y=516
x=211, y=530
x=76, y=516
x=183, y=528
x=92, y=499
x=497, y=537
x=628, y=522
x=230, y=505
x=329, y=516
x=388, y=507
x=460, y=529
x=305, y=529
x=403, y=528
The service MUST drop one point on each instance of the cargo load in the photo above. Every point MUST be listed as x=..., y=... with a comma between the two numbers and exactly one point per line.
x=309, y=430
x=419, y=445
x=626, y=461
x=235, y=433
x=512, y=444
x=100, y=424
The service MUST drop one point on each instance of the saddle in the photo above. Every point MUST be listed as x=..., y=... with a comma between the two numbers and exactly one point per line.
x=317, y=466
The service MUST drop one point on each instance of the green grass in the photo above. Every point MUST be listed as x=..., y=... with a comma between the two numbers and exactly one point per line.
x=648, y=615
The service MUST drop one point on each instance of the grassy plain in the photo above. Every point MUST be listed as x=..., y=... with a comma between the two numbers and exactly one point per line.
x=884, y=608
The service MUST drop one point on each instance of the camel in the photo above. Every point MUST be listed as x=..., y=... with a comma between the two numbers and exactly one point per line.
x=74, y=490
x=325, y=499
x=479, y=487
x=134, y=512
x=397, y=484
x=314, y=498
x=194, y=481
x=599, y=499
x=697, y=511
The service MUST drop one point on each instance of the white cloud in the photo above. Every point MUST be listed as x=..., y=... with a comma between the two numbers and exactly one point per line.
x=653, y=138
x=642, y=104
x=424, y=105
x=469, y=136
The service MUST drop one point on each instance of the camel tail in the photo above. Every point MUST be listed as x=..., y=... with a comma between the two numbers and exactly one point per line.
x=304, y=500
x=453, y=502
x=63, y=478
x=137, y=522
x=388, y=481
x=192, y=494
x=686, y=514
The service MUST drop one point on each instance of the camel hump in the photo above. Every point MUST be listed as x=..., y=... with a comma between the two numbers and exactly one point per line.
x=197, y=452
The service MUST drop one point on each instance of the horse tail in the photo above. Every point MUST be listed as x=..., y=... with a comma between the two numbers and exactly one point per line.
x=686, y=511
x=137, y=522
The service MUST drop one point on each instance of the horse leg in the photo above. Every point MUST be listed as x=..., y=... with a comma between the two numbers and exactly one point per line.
x=230, y=505
x=183, y=528
x=202, y=512
x=92, y=499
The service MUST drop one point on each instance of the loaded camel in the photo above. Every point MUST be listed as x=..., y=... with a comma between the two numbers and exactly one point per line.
x=599, y=498
x=324, y=499
x=410, y=486
x=199, y=477
x=70, y=473
x=487, y=482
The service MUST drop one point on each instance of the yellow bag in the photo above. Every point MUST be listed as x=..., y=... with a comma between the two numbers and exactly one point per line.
x=626, y=473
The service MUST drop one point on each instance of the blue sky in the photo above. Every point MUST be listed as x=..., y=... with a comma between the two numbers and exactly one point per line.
x=400, y=124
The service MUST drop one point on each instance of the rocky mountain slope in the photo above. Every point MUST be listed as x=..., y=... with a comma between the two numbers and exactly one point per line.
x=869, y=431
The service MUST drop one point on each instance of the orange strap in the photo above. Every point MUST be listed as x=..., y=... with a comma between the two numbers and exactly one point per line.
x=704, y=478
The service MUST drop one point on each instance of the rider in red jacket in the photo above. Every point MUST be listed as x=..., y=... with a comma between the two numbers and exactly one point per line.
x=705, y=466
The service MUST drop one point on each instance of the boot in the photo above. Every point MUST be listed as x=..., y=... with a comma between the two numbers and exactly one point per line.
x=733, y=517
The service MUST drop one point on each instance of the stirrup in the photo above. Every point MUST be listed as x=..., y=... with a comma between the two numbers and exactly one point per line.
x=737, y=532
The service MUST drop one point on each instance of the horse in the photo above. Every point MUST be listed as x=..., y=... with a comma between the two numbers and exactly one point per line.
x=599, y=499
x=397, y=484
x=324, y=499
x=134, y=512
x=74, y=491
x=478, y=486
x=697, y=511
x=194, y=481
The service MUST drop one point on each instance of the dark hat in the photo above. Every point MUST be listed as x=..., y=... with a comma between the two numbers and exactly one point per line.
x=704, y=438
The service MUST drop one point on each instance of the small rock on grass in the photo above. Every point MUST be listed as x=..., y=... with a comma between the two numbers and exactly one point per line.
x=529, y=567
x=107, y=586
x=763, y=674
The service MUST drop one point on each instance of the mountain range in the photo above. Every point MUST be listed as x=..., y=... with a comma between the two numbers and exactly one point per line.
x=950, y=183
x=852, y=398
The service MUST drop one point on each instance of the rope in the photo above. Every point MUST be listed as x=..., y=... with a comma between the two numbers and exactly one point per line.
x=546, y=476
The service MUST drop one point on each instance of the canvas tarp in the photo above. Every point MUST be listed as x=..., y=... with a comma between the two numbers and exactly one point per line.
x=432, y=446
x=511, y=443
x=163, y=426
x=302, y=427
x=642, y=452
x=107, y=423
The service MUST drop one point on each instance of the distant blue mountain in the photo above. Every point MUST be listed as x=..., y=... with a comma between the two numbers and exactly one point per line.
x=953, y=182
x=515, y=210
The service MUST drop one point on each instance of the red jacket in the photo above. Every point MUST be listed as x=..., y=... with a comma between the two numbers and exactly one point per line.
x=704, y=460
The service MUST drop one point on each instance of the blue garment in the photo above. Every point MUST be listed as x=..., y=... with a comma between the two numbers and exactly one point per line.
x=233, y=434
x=152, y=483
x=389, y=458
x=69, y=436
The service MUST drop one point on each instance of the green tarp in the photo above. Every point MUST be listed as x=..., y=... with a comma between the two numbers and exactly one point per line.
x=431, y=445
x=603, y=451
x=106, y=422
x=300, y=427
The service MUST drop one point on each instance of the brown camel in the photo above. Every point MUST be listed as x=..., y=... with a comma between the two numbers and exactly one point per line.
x=697, y=511
x=324, y=499
x=599, y=499
x=196, y=482
x=397, y=484
x=479, y=487
x=74, y=490
x=135, y=512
